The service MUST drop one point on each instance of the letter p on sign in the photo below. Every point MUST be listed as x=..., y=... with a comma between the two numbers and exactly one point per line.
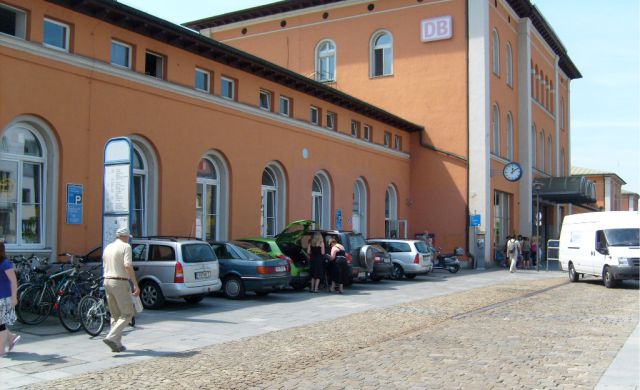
x=436, y=29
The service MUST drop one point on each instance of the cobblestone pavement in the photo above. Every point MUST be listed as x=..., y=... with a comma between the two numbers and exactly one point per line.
x=538, y=334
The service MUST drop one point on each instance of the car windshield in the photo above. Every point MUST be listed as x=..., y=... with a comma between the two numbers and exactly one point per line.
x=422, y=247
x=623, y=237
x=356, y=241
x=197, y=253
x=250, y=253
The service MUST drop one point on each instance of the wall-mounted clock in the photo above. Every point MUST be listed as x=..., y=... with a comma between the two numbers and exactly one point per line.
x=512, y=171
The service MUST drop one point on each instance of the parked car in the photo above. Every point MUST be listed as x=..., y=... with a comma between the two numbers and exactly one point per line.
x=410, y=257
x=244, y=267
x=382, y=264
x=170, y=267
x=286, y=246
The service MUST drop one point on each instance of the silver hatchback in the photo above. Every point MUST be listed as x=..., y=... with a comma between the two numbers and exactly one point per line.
x=410, y=257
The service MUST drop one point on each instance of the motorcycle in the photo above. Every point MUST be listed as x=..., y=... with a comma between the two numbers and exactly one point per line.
x=448, y=261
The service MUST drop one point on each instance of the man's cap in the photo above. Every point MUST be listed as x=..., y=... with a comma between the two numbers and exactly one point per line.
x=122, y=232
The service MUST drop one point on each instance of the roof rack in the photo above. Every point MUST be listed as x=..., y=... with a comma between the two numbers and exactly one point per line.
x=169, y=238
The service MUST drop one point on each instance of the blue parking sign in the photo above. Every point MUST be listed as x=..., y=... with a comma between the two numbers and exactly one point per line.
x=474, y=220
x=75, y=194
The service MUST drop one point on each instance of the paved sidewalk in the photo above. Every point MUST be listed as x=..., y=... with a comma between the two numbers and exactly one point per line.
x=624, y=372
x=293, y=318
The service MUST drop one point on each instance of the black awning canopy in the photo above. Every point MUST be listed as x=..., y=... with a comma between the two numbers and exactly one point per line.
x=568, y=189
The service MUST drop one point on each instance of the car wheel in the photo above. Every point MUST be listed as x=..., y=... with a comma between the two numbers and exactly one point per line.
x=573, y=275
x=609, y=280
x=454, y=268
x=398, y=272
x=151, y=295
x=194, y=298
x=233, y=288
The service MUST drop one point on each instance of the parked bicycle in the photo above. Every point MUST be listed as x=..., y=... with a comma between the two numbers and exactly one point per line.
x=94, y=311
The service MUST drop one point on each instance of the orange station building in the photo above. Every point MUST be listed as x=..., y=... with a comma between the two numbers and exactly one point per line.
x=390, y=117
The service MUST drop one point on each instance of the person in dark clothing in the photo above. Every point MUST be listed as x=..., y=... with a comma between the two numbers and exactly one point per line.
x=316, y=251
x=337, y=266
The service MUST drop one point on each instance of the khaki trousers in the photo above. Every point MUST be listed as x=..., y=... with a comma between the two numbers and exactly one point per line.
x=120, y=305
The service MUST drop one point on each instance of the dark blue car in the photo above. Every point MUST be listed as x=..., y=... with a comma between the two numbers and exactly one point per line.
x=245, y=267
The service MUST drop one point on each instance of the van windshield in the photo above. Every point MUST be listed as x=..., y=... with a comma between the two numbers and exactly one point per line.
x=623, y=237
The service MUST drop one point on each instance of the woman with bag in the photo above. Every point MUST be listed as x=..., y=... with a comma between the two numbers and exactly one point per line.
x=337, y=265
x=8, y=302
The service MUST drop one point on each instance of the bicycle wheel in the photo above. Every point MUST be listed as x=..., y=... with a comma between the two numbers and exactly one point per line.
x=68, y=312
x=35, y=305
x=92, y=314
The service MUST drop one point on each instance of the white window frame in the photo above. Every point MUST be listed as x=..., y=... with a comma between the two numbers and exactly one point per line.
x=366, y=132
x=327, y=58
x=209, y=184
x=160, y=60
x=387, y=139
x=285, y=109
x=543, y=160
x=232, y=87
x=386, y=48
x=279, y=190
x=495, y=129
x=207, y=75
x=355, y=129
x=534, y=146
x=495, y=52
x=324, y=196
x=550, y=155
x=314, y=115
x=265, y=100
x=144, y=174
x=391, y=212
x=331, y=120
x=510, y=153
x=509, y=64
x=67, y=33
x=360, y=206
x=397, y=142
x=129, y=49
x=562, y=113
x=20, y=21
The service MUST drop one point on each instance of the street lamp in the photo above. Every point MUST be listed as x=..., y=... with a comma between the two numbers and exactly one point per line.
x=537, y=186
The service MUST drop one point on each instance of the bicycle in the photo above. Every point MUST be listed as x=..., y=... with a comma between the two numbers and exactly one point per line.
x=94, y=311
x=70, y=293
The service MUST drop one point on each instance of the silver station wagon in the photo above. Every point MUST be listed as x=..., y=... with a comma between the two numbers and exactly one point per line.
x=170, y=267
x=410, y=257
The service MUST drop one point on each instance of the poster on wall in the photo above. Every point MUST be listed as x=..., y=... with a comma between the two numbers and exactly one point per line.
x=116, y=188
x=74, y=204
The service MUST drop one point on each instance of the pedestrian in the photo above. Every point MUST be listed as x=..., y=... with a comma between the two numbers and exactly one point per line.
x=526, y=252
x=337, y=266
x=8, y=302
x=316, y=251
x=512, y=250
x=118, y=272
x=534, y=250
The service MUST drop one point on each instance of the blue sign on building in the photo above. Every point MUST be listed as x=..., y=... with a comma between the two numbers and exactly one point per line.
x=338, y=219
x=474, y=220
x=74, y=204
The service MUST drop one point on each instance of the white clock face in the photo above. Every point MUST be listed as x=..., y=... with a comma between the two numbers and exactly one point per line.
x=512, y=171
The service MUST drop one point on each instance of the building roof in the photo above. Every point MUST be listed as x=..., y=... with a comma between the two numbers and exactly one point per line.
x=631, y=193
x=580, y=171
x=523, y=8
x=139, y=22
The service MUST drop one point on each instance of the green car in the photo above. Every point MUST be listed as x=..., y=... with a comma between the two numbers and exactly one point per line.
x=286, y=245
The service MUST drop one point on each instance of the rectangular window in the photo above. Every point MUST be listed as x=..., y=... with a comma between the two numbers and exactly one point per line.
x=366, y=132
x=387, y=139
x=154, y=65
x=203, y=80
x=13, y=21
x=56, y=35
x=502, y=219
x=285, y=106
x=121, y=54
x=397, y=144
x=355, y=129
x=331, y=120
x=265, y=100
x=314, y=115
x=227, y=88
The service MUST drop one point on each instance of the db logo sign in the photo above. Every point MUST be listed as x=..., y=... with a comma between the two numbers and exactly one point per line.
x=436, y=29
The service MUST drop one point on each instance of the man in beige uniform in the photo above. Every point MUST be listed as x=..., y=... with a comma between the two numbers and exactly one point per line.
x=118, y=271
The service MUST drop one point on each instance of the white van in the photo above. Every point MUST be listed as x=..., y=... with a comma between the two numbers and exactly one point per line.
x=603, y=244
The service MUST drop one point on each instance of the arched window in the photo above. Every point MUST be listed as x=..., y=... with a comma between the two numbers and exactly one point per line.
x=542, y=150
x=547, y=103
x=321, y=201
x=326, y=61
x=23, y=169
x=381, y=54
x=549, y=156
x=536, y=94
x=552, y=100
x=391, y=226
x=273, y=191
x=360, y=197
x=534, y=151
x=541, y=89
x=509, y=136
x=145, y=179
x=496, y=53
x=533, y=81
x=509, y=64
x=561, y=113
x=207, y=201
x=495, y=130
x=562, y=163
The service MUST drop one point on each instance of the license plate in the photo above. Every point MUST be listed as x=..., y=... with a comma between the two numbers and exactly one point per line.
x=362, y=274
x=387, y=260
x=203, y=275
x=281, y=268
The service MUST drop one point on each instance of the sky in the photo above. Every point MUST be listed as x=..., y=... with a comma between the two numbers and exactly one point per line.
x=602, y=39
